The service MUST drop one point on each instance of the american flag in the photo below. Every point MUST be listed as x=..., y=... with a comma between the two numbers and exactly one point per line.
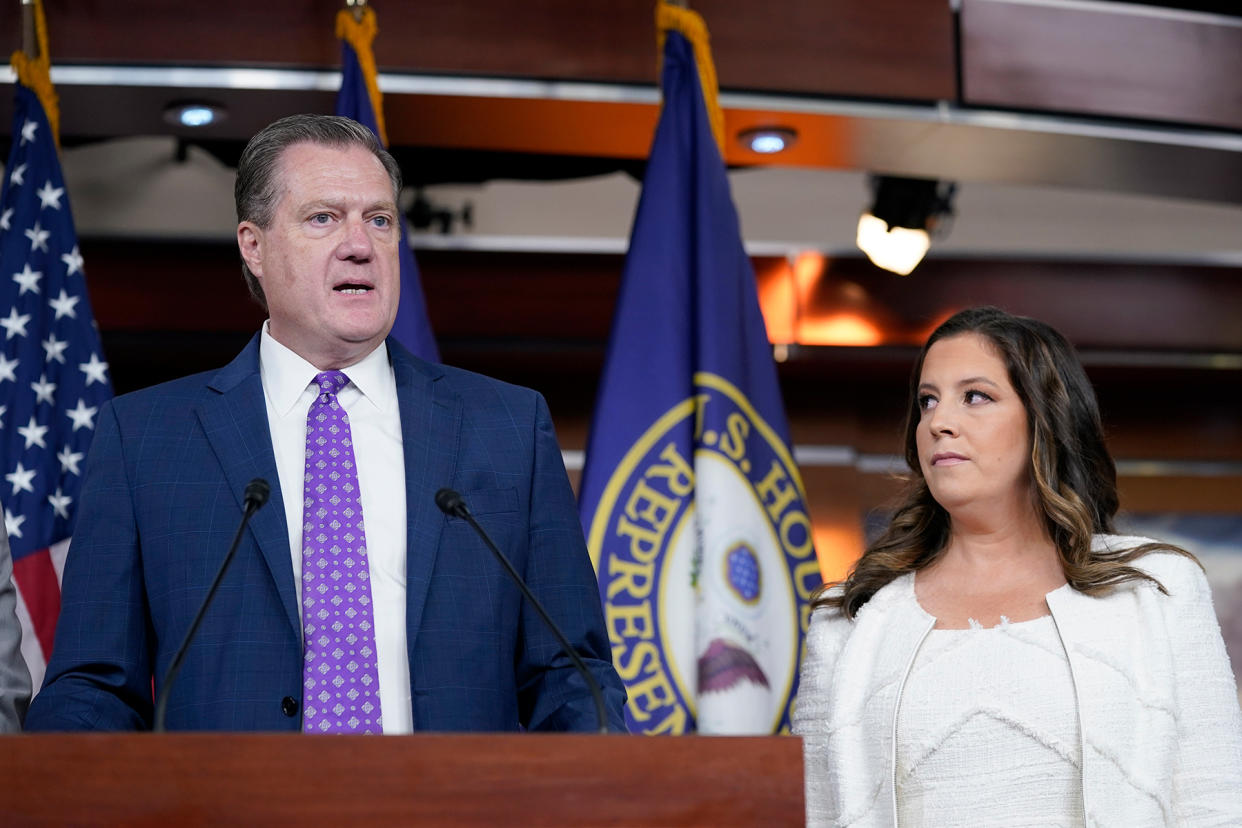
x=53, y=379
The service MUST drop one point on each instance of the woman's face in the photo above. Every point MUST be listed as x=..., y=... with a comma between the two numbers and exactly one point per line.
x=972, y=433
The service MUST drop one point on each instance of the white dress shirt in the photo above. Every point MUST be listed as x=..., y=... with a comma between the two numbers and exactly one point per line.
x=370, y=401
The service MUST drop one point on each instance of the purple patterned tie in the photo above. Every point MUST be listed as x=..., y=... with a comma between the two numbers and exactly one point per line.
x=339, y=675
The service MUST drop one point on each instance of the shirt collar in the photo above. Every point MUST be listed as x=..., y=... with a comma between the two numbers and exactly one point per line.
x=373, y=376
x=286, y=375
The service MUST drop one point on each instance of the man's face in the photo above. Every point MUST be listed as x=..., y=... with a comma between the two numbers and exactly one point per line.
x=328, y=260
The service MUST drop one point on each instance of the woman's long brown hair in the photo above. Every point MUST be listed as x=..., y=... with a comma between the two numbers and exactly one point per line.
x=1075, y=479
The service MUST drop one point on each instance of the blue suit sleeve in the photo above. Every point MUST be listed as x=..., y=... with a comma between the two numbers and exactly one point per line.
x=99, y=676
x=552, y=695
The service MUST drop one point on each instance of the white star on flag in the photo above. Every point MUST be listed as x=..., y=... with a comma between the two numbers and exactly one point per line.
x=13, y=524
x=33, y=432
x=3, y=408
x=28, y=130
x=63, y=305
x=74, y=260
x=55, y=349
x=5, y=216
x=21, y=479
x=6, y=369
x=28, y=280
x=83, y=416
x=95, y=370
x=15, y=177
x=49, y=196
x=15, y=325
x=60, y=502
x=69, y=460
x=44, y=390
x=38, y=238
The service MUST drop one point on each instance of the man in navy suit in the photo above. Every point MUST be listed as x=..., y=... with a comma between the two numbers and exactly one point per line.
x=456, y=646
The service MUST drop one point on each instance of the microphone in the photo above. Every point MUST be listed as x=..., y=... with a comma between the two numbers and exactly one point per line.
x=453, y=505
x=256, y=494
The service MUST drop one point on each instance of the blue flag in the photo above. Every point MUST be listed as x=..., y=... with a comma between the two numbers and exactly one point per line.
x=412, y=327
x=53, y=379
x=693, y=509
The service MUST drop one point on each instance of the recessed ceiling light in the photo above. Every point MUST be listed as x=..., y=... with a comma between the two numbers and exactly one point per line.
x=768, y=140
x=194, y=114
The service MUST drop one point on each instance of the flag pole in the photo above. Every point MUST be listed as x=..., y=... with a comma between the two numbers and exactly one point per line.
x=33, y=63
x=359, y=98
x=30, y=43
x=356, y=25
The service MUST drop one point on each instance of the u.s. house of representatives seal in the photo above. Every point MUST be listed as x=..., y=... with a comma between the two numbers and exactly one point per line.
x=703, y=548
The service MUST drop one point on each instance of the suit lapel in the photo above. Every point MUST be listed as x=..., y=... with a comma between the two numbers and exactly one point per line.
x=430, y=435
x=235, y=423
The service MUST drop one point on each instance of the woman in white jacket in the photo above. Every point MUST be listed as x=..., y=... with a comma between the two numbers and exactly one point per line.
x=999, y=656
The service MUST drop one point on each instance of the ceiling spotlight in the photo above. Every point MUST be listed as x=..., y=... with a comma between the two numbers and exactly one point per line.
x=896, y=232
x=768, y=140
x=194, y=114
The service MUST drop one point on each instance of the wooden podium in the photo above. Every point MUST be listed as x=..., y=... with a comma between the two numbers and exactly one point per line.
x=195, y=779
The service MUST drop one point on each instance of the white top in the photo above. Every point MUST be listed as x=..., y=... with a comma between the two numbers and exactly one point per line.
x=370, y=401
x=987, y=730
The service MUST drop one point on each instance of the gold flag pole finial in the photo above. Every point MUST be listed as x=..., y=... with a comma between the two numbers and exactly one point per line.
x=357, y=8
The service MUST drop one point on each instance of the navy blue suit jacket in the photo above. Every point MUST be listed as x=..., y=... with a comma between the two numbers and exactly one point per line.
x=161, y=500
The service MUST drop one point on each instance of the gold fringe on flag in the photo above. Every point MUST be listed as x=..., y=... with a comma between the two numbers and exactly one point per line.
x=35, y=73
x=359, y=33
x=670, y=17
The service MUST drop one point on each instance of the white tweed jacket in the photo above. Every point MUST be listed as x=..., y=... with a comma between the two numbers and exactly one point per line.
x=1157, y=703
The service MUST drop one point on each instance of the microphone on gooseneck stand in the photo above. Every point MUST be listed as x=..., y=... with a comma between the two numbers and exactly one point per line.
x=257, y=493
x=453, y=505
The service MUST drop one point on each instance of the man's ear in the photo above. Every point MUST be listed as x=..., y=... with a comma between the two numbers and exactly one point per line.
x=250, y=243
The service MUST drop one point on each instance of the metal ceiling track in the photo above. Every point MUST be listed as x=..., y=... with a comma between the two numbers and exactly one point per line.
x=942, y=140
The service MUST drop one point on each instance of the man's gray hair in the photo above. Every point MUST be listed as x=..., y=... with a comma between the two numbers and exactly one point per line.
x=256, y=189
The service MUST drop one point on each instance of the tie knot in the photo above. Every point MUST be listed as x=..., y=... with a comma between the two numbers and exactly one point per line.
x=331, y=382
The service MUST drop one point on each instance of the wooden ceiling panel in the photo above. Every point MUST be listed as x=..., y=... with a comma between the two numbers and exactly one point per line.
x=864, y=48
x=894, y=49
x=1110, y=59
